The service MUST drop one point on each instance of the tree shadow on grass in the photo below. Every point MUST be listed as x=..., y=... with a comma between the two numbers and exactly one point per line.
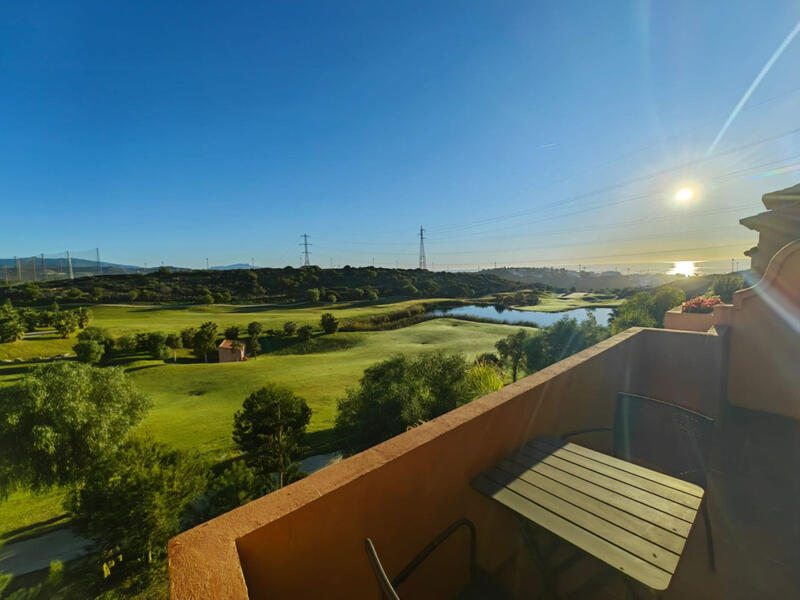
x=35, y=529
x=322, y=441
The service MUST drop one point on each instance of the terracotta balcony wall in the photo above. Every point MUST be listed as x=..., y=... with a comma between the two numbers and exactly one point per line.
x=307, y=540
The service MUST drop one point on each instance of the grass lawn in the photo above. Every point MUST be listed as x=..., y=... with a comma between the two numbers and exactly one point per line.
x=171, y=319
x=556, y=303
x=194, y=403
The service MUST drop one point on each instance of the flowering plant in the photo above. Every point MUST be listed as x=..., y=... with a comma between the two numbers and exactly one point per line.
x=701, y=304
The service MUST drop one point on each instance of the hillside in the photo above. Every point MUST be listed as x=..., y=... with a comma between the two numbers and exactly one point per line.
x=254, y=285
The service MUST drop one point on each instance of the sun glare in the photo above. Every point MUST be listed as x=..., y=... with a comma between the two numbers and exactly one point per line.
x=684, y=194
x=686, y=268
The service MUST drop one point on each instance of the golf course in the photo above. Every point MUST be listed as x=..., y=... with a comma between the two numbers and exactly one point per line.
x=193, y=402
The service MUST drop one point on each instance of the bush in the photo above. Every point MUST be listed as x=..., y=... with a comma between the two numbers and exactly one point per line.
x=89, y=351
x=127, y=343
x=726, y=285
x=329, y=323
x=312, y=295
x=305, y=333
x=289, y=328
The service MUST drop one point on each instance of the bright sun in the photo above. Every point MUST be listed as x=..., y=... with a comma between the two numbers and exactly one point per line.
x=684, y=267
x=684, y=194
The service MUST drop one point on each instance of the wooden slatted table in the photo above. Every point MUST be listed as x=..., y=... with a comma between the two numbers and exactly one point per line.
x=630, y=517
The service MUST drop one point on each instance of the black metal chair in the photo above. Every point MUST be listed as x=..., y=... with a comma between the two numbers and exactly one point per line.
x=664, y=437
x=479, y=586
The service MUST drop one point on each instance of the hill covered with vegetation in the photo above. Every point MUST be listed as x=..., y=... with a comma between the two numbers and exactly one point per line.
x=253, y=285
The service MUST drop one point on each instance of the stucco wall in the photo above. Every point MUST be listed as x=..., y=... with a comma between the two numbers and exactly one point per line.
x=764, y=321
x=307, y=540
x=677, y=319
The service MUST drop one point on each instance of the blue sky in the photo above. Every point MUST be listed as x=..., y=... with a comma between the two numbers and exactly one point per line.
x=516, y=132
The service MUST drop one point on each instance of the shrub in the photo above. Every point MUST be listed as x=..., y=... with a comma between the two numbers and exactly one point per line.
x=312, y=295
x=329, y=323
x=726, y=285
x=127, y=343
x=304, y=333
x=232, y=332
x=289, y=328
x=89, y=351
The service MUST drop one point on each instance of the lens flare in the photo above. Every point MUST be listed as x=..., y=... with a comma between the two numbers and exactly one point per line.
x=684, y=194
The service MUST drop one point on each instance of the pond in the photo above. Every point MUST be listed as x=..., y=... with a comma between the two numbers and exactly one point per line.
x=541, y=319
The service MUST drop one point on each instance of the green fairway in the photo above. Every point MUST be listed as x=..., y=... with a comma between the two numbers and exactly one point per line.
x=171, y=319
x=194, y=403
x=556, y=303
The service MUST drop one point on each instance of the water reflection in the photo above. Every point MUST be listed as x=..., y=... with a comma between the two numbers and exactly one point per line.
x=687, y=268
x=542, y=319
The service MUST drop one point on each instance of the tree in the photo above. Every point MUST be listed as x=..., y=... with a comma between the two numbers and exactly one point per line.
x=566, y=336
x=289, y=328
x=127, y=343
x=204, y=340
x=312, y=295
x=537, y=352
x=174, y=343
x=665, y=298
x=157, y=345
x=11, y=329
x=84, y=316
x=99, y=335
x=253, y=347
x=60, y=419
x=254, y=329
x=726, y=285
x=133, y=499
x=269, y=430
x=207, y=298
x=235, y=486
x=329, y=323
x=488, y=358
x=511, y=351
x=232, y=332
x=187, y=335
x=305, y=333
x=636, y=311
x=88, y=351
x=399, y=393
x=32, y=292
x=66, y=323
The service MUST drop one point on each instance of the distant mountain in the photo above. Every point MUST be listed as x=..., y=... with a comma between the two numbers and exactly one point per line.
x=233, y=267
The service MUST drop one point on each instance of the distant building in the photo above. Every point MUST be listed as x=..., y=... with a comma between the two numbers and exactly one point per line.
x=776, y=227
x=231, y=351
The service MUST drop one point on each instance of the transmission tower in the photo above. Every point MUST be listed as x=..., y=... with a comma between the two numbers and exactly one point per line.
x=19, y=269
x=33, y=264
x=305, y=245
x=69, y=265
x=99, y=266
x=422, y=264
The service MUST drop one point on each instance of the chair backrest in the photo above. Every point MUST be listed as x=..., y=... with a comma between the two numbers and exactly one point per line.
x=662, y=436
x=387, y=589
